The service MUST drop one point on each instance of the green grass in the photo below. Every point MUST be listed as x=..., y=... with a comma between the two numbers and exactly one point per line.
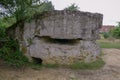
x=77, y=65
x=108, y=44
x=91, y=66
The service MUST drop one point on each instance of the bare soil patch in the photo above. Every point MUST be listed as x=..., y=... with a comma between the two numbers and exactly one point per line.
x=111, y=71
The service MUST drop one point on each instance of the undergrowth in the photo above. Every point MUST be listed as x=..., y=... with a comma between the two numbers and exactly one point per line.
x=10, y=53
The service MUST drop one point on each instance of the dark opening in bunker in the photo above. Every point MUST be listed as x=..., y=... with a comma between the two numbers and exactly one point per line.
x=60, y=41
x=37, y=60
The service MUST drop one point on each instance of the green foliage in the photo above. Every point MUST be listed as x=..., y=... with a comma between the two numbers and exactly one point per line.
x=7, y=21
x=72, y=7
x=38, y=9
x=3, y=23
x=11, y=54
x=116, y=32
x=9, y=51
x=45, y=6
x=106, y=35
x=16, y=7
x=23, y=9
x=2, y=33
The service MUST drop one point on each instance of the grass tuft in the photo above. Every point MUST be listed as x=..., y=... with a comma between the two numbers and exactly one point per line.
x=93, y=65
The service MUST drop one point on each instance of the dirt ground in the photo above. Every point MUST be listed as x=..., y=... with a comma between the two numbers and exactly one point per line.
x=111, y=71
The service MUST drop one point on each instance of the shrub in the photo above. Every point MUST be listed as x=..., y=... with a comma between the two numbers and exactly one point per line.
x=2, y=33
x=11, y=54
x=116, y=32
x=72, y=7
x=9, y=51
x=106, y=35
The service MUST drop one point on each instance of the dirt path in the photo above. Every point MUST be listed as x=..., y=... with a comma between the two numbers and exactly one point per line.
x=111, y=71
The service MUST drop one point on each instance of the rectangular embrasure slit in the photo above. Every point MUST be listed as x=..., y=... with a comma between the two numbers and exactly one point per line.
x=60, y=41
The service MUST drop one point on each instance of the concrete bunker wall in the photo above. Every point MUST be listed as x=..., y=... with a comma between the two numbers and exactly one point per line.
x=62, y=37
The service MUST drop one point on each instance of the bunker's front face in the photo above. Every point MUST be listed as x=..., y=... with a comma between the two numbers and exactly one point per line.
x=62, y=37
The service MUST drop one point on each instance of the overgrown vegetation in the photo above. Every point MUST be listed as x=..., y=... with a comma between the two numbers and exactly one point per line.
x=111, y=38
x=114, y=33
x=2, y=33
x=106, y=35
x=22, y=9
x=72, y=7
x=7, y=21
x=9, y=51
x=13, y=11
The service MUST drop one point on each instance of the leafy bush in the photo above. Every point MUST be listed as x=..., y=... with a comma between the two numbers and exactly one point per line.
x=72, y=7
x=106, y=35
x=9, y=51
x=7, y=21
x=116, y=32
x=2, y=33
x=11, y=54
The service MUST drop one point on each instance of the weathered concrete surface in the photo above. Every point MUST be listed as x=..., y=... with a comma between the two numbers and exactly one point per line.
x=69, y=25
x=60, y=36
x=64, y=53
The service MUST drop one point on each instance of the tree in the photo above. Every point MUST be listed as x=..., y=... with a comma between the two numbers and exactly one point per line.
x=7, y=21
x=116, y=32
x=72, y=7
x=24, y=8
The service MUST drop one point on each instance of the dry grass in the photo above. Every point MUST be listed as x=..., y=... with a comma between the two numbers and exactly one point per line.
x=107, y=43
